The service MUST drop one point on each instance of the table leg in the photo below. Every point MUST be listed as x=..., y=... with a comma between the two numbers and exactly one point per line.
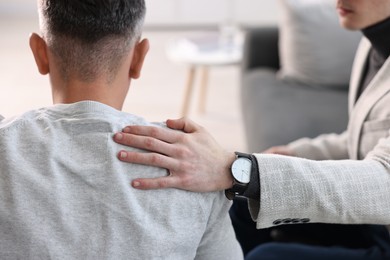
x=203, y=89
x=188, y=91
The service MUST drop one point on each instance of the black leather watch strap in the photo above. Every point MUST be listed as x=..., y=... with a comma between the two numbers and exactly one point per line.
x=253, y=189
x=239, y=188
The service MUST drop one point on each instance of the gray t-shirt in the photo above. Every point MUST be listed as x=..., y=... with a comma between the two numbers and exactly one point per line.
x=65, y=195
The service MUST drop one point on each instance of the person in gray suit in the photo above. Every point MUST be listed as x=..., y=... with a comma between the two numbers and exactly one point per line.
x=341, y=179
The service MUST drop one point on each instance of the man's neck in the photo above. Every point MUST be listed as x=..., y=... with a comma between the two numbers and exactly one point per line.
x=112, y=94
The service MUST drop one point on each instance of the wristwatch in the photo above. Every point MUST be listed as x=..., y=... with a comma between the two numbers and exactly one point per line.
x=241, y=170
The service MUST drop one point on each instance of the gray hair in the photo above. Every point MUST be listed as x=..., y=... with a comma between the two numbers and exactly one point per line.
x=91, y=38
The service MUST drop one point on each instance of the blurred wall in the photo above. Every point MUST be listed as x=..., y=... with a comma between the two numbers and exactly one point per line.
x=211, y=12
x=179, y=13
x=17, y=8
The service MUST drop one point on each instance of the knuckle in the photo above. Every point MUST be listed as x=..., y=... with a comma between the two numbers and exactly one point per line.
x=154, y=132
x=182, y=138
x=185, y=168
x=155, y=159
x=162, y=183
x=149, y=143
x=186, y=181
x=182, y=152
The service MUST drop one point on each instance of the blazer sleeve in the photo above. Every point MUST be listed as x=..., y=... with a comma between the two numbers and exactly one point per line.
x=323, y=147
x=297, y=190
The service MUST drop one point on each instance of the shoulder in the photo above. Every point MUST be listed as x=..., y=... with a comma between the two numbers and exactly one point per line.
x=16, y=121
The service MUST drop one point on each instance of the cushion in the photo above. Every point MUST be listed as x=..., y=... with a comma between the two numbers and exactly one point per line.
x=314, y=48
x=279, y=112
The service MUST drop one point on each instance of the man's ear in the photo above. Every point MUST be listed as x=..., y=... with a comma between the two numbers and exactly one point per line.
x=39, y=49
x=140, y=51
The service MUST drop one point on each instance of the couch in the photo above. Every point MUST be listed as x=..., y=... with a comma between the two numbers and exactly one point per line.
x=275, y=111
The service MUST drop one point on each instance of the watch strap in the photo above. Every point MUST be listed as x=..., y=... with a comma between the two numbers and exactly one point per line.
x=239, y=188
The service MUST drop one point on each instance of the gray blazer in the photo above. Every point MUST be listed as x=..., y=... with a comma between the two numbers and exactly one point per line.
x=336, y=178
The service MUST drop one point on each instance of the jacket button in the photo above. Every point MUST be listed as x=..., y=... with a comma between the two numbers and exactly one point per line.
x=295, y=220
x=305, y=220
x=277, y=222
x=287, y=220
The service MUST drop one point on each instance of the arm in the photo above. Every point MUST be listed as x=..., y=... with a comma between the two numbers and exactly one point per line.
x=330, y=191
x=323, y=147
x=192, y=156
x=341, y=191
x=219, y=240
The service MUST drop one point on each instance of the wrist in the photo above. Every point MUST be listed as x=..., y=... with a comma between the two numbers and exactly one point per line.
x=243, y=170
x=230, y=157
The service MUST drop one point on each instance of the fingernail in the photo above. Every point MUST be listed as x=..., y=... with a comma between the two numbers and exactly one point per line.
x=136, y=184
x=119, y=136
x=126, y=130
x=123, y=155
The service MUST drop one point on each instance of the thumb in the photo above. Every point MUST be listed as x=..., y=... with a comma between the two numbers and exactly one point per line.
x=183, y=124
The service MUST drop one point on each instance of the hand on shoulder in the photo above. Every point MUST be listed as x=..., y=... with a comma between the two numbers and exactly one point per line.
x=194, y=160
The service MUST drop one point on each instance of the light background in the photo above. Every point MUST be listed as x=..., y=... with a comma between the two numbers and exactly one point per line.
x=158, y=94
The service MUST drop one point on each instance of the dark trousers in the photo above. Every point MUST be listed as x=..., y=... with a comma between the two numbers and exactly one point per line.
x=308, y=241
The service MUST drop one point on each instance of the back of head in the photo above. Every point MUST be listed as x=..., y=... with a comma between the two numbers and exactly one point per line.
x=90, y=37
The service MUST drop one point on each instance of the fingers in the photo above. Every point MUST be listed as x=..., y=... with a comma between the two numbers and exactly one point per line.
x=145, y=143
x=160, y=133
x=156, y=133
x=152, y=159
x=155, y=183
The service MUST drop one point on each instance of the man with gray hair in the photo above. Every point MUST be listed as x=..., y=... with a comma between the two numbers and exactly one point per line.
x=63, y=193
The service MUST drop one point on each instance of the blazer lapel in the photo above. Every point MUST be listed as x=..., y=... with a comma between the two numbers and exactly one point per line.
x=357, y=71
x=378, y=87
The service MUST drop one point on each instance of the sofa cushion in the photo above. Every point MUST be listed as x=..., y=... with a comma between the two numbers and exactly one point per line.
x=314, y=48
x=277, y=112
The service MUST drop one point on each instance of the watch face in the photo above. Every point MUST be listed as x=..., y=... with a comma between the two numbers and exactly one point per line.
x=241, y=169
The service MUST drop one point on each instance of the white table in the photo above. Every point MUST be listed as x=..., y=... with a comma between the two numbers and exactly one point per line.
x=201, y=52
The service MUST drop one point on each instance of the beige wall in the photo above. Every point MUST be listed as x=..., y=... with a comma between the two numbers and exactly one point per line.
x=180, y=12
x=206, y=12
x=18, y=7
